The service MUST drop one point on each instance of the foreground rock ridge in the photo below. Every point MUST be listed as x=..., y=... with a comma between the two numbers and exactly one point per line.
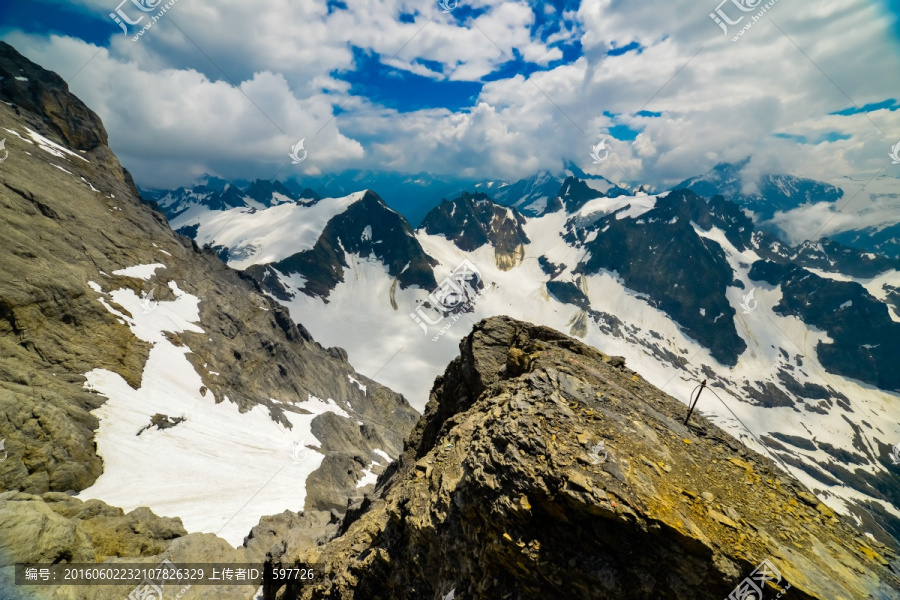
x=505, y=491
x=78, y=243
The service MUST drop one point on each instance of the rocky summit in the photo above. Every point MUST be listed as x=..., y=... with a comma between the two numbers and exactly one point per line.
x=543, y=468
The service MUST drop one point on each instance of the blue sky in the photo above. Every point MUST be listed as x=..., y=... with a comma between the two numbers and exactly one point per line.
x=489, y=89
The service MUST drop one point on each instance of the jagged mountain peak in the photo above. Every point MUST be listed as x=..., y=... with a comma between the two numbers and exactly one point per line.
x=365, y=228
x=537, y=195
x=213, y=194
x=766, y=194
x=473, y=220
x=545, y=468
x=41, y=92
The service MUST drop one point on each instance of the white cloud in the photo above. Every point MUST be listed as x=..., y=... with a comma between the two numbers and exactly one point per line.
x=171, y=112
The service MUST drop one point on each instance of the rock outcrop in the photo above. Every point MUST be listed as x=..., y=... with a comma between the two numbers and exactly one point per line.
x=543, y=468
x=473, y=220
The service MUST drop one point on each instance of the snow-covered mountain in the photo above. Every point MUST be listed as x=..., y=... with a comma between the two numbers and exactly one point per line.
x=534, y=196
x=220, y=195
x=770, y=194
x=862, y=212
x=799, y=345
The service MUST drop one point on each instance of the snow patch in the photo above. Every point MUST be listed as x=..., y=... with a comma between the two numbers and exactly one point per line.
x=369, y=477
x=361, y=387
x=52, y=147
x=219, y=470
x=144, y=272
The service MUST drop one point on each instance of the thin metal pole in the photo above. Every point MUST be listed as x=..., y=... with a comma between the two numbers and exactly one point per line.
x=694, y=401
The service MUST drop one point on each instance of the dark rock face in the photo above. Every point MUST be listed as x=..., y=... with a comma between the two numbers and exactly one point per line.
x=367, y=227
x=540, y=470
x=568, y=292
x=649, y=253
x=866, y=342
x=45, y=93
x=473, y=220
x=828, y=255
x=574, y=194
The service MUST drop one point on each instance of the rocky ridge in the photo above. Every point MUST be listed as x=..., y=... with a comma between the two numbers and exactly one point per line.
x=544, y=468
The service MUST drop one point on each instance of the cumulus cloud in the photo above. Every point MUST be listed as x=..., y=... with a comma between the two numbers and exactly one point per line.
x=867, y=202
x=244, y=82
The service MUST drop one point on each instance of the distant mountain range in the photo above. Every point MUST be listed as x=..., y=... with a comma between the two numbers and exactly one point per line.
x=803, y=341
x=777, y=203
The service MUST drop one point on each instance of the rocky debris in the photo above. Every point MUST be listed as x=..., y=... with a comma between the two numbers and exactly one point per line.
x=501, y=493
x=58, y=528
x=161, y=422
x=276, y=533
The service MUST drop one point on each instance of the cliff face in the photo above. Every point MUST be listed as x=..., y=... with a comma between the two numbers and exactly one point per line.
x=545, y=469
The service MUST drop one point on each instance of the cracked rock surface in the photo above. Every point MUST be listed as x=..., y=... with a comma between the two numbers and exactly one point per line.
x=503, y=492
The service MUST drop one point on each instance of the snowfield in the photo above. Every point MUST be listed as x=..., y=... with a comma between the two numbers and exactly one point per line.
x=219, y=470
x=264, y=236
x=388, y=345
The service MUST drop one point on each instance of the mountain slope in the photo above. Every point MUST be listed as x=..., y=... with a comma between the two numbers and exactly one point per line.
x=128, y=354
x=648, y=248
x=541, y=470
